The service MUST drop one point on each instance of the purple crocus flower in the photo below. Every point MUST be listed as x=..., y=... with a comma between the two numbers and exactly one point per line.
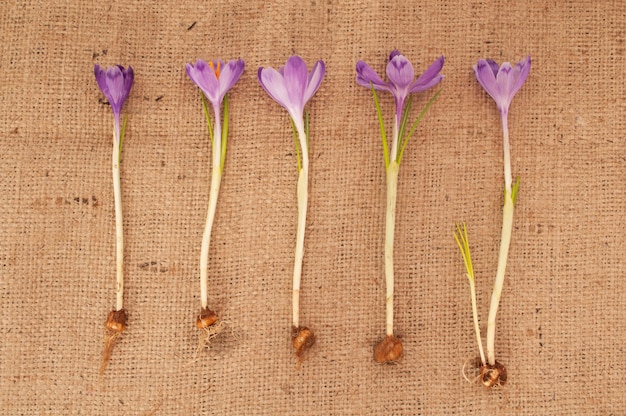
x=215, y=78
x=115, y=83
x=401, y=78
x=502, y=82
x=401, y=84
x=292, y=86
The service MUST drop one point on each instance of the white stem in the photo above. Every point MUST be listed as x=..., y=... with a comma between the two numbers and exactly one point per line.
x=119, y=234
x=476, y=326
x=505, y=241
x=390, y=221
x=507, y=227
x=394, y=141
x=303, y=195
x=508, y=178
x=216, y=179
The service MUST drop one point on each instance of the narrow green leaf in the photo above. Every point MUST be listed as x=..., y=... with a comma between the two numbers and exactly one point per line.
x=467, y=249
x=515, y=189
x=208, y=117
x=306, y=127
x=462, y=240
x=295, y=140
x=224, y=134
x=382, y=127
x=405, y=141
x=119, y=153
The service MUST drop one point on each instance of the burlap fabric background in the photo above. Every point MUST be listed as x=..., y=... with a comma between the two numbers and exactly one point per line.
x=561, y=322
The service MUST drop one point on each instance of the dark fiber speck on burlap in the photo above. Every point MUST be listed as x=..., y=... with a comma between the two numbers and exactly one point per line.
x=560, y=328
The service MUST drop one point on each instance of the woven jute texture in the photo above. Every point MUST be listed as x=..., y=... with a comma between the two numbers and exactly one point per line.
x=560, y=327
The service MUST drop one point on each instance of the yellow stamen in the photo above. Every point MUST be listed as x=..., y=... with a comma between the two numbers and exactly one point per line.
x=216, y=71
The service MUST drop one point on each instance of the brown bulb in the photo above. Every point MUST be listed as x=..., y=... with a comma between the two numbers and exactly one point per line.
x=388, y=350
x=206, y=318
x=116, y=321
x=493, y=375
x=115, y=325
x=303, y=339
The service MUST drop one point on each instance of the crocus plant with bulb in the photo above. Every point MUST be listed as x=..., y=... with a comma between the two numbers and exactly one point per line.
x=292, y=86
x=115, y=83
x=401, y=85
x=501, y=83
x=215, y=79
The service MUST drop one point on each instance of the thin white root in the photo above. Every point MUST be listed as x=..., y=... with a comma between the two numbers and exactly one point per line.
x=207, y=334
x=476, y=376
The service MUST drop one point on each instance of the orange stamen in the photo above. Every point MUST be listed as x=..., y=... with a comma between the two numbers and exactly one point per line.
x=216, y=71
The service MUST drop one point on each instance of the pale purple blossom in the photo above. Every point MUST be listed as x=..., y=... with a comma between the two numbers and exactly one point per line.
x=292, y=86
x=401, y=78
x=115, y=83
x=215, y=78
x=502, y=82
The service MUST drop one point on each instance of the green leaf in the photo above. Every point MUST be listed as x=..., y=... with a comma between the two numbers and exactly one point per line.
x=119, y=153
x=208, y=117
x=515, y=189
x=405, y=141
x=224, y=134
x=295, y=139
x=306, y=127
x=462, y=240
x=382, y=126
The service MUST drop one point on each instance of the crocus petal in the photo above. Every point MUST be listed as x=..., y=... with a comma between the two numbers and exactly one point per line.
x=101, y=79
x=273, y=83
x=210, y=84
x=314, y=80
x=115, y=83
x=506, y=81
x=487, y=78
x=296, y=76
x=429, y=78
x=524, y=69
x=494, y=66
x=229, y=75
x=400, y=72
x=366, y=75
x=204, y=77
x=129, y=78
x=394, y=53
